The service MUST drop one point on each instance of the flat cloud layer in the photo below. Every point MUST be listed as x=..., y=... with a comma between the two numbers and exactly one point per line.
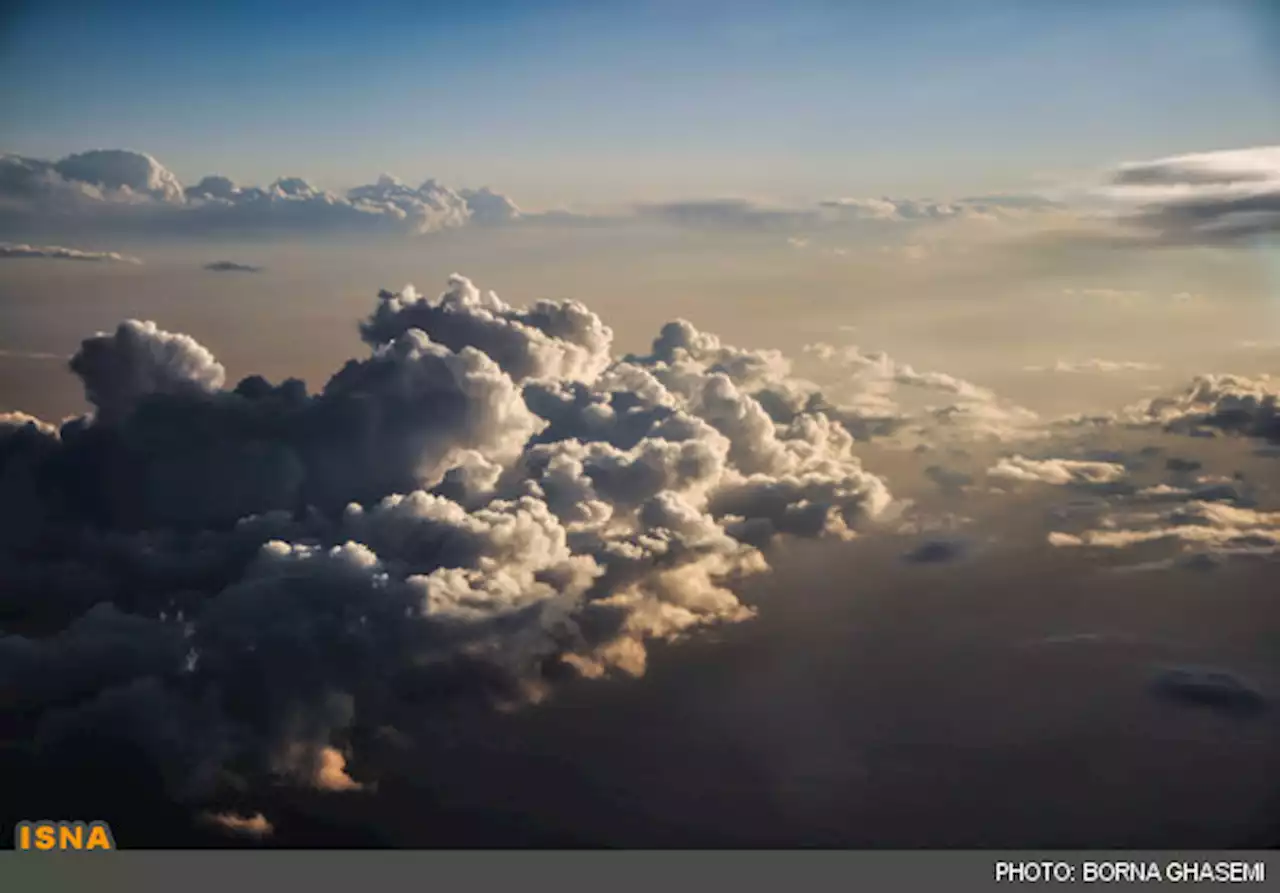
x=1209, y=198
x=744, y=214
x=9, y=250
x=1096, y=366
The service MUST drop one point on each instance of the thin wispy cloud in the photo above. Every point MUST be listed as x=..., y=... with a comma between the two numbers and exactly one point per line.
x=1095, y=366
x=15, y=251
x=8, y=354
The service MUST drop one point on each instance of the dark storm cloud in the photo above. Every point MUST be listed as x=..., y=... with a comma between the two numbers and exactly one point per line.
x=244, y=583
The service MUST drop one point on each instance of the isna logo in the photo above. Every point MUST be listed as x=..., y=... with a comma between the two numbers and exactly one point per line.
x=50, y=836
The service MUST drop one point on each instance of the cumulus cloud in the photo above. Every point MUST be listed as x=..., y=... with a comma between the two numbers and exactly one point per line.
x=245, y=583
x=120, y=189
x=230, y=266
x=487, y=206
x=11, y=250
x=139, y=359
x=1215, y=198
x=1210, y=405
x=1232, y=404
x=101, y=175
x=427, y=208
x=1203, y=530
x=121, y=170
x=560, y=340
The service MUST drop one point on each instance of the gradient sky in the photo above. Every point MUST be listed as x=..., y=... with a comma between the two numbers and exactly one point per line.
x=575, y=103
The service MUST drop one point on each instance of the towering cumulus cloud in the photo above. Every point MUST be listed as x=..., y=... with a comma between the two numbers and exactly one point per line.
x=243, y=583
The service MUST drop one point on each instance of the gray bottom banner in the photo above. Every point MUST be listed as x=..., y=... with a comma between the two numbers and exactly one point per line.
x=613, y=872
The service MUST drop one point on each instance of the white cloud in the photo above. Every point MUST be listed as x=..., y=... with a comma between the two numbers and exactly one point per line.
x=139, y=359
x=121, y=171
x=1056, y=471
x=1210, y=529
x=862, y=397
x=11, y=250
x=120, y=189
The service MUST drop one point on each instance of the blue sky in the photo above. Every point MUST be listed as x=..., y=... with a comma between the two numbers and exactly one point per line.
x=594, y=102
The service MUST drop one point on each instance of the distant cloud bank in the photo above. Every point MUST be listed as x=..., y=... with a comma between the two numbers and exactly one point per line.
x=743, y=214
x=125, y=189
x=1213, y=198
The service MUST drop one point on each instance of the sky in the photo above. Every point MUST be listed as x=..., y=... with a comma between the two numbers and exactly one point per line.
x=837, y=424
x=569, y=103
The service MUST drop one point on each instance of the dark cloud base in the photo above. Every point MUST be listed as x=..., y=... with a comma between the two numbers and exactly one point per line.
x=210, y=590
x=230, y=266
